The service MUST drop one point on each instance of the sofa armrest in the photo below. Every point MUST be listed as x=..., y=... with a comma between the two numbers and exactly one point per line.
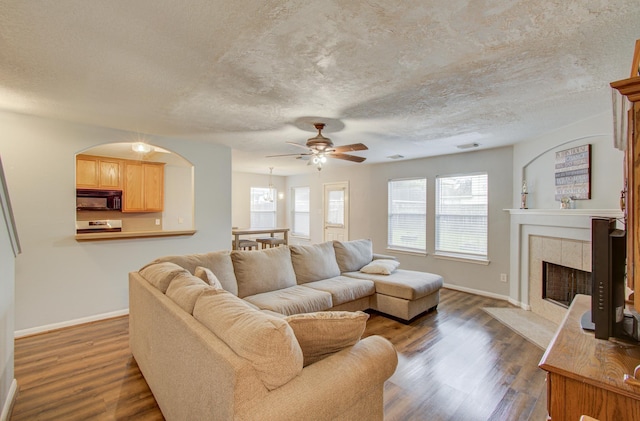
x=345, y=385
x=383, y=256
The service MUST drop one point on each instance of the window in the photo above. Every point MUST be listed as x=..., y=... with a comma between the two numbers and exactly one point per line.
x=300, y=217
x=263, y=210
x=407, y=227
x=461, y=216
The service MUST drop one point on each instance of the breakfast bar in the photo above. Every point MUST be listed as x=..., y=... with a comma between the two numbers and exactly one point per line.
x=237, y=232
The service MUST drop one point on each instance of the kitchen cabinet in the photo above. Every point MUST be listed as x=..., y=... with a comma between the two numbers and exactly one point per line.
x=94, y=172
x=143, y=187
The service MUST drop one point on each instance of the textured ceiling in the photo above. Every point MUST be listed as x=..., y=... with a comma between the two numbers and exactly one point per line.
x=414, y=78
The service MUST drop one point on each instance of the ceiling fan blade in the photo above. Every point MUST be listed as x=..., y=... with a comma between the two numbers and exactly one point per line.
x=298, y=145
x=346, y=157
x=350, y=148
x=288, y=154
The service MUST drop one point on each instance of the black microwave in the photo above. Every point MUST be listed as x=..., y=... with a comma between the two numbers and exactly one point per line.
x=87, y=199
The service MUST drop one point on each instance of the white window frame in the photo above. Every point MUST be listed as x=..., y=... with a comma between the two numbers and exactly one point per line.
x=296, y=229
x=414, y=238
x=260, y=207
x=477, y=205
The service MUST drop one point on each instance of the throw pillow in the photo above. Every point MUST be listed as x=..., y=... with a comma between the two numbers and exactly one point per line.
x=266, y=341
x=185, y=289
x=352, y=255
x=208, y=276
x=327, y=332
x=381, y=267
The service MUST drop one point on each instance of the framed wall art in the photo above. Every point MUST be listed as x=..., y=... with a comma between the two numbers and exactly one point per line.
x=573, y=173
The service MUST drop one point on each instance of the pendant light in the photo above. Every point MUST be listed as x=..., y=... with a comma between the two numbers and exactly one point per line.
x=269, y=195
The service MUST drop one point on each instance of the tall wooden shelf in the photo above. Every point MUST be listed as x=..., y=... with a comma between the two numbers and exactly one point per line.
x=631, y=89
x=585, y=375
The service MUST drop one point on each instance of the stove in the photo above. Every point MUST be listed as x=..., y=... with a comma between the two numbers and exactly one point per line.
x=101, y=225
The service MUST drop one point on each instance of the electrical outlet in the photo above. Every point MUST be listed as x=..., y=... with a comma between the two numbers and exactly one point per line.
x=503, y=277
x=157, y=222
x=180, y=220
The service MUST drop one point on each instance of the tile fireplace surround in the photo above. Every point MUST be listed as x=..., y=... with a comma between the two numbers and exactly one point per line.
x=560, y=236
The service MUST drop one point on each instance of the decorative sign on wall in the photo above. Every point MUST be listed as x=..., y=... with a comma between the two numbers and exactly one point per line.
x=573, y=173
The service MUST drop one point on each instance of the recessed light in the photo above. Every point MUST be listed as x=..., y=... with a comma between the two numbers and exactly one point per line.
x=396, y=156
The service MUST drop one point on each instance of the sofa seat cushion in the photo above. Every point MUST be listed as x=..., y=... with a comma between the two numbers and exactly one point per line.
x=402, y=283
x=314, y=262
x=292, y=300
x=263, y=270
x=160, y=275
x=219, y=262
x=185, y=289
x=267, y=342
x=344, y=289
x=352, y=255
x=327, y=332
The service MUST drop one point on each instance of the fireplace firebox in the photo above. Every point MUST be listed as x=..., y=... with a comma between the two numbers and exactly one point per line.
x=560, y=284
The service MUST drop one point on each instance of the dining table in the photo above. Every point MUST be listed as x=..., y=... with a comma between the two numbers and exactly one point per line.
x=238, y=232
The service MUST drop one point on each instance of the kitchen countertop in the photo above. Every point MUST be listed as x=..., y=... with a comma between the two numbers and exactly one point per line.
x=130, y=234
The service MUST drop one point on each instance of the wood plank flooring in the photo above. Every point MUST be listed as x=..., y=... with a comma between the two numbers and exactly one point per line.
x=457, y=363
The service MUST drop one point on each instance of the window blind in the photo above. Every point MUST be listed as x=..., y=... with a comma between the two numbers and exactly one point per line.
x=407, y=213
x=263, y=212
x=300, y=199
x=461, y=215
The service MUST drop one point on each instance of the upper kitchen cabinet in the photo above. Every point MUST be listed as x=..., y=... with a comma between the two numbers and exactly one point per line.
x=95, y=172
x=143, y=187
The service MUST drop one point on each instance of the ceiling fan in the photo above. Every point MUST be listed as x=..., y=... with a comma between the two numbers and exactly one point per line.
x=319, y=148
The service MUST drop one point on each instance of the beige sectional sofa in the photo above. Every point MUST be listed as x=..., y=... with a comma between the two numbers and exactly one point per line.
x=271, y=334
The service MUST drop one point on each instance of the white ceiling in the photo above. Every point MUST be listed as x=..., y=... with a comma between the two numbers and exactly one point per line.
x=414, y=78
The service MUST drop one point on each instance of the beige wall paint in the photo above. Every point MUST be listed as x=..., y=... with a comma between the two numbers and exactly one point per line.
x=7, y=284
x=368, y=199
x=534, y=160
x=240, y=197
x=59, y=279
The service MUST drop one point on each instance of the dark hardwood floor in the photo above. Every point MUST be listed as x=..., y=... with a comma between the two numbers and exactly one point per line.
x=457, y=363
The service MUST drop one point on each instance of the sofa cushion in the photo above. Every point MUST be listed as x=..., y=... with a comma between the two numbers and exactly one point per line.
x=406, y=284
x=263, y=270
x=185, y=289
x=352, y=255
x=292, y=300
x=314, y=262
x=160, y=275
x=219, y=262
x=344, y=289
x=267, y=342
x=327, y=332
x=207, y=276
x=380, y=266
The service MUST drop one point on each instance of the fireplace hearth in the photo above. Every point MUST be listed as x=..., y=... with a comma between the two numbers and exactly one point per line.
x=560, y=284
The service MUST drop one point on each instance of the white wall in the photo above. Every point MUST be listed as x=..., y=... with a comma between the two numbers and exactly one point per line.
x=534, y=160
x=59, y=279
x=241, y=197
x=368, y=199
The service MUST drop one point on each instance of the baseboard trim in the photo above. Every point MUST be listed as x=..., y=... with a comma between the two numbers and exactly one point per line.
x=477, y=292
x=46, y=328
x=10, y=401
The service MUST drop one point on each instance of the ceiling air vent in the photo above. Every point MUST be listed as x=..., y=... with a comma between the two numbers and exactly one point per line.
x=468, y=145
